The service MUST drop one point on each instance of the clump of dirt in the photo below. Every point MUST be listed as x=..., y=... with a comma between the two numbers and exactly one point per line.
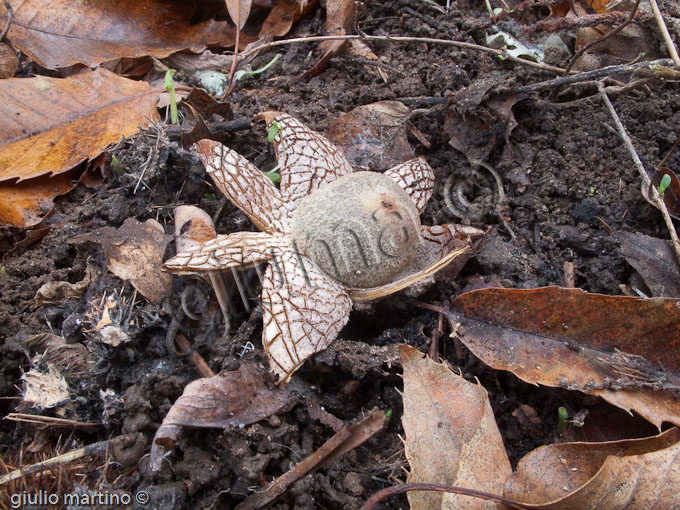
x=568, y=184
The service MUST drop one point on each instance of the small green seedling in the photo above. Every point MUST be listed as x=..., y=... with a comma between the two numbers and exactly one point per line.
x=240, y=74
x=388, y=417
x=562, y=417
x=591, y=190
x=663, y=185
x=170, y=87
x=274, y=175
x=273, y=131
x=115, y=164
x=210, y=196
x=3, y=271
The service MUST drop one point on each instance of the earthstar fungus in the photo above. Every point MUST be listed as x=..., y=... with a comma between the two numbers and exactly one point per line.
x=330, y=236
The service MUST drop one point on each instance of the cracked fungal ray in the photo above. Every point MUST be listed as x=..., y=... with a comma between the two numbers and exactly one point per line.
x=303, y=311
x=306, y=159
x=417, y=178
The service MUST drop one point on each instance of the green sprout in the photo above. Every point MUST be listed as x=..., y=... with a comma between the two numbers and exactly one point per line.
x=3, y=271
x=273, y=131
x=388, y=417
x=562, y=417
x=663, y=185
x=115, y=164
x=274, y=175
x=170, y=87
x=210, y=196
x=591, y=190
x=240, y=74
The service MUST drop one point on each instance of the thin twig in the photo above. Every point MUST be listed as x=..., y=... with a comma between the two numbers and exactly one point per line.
x=387, y=38
x=603, y=38
x=647, y=188
x=10, y=12
x=371, y=502
x=592, y=75
x=664, y=32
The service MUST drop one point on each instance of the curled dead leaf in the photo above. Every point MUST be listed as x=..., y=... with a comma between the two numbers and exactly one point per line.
x=134, y=252
x=54, y=292
x=634, y=474
x=477, y=117
x=233, y=399
x=282, y=16
x=239, y=10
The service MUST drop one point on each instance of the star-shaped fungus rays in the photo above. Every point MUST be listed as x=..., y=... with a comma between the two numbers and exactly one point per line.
x=306, y=298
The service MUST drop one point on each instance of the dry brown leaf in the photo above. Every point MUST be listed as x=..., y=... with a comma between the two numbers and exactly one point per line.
x=341, y=15
x=654, y=260
x=24, y=204
x=477, y=118
x=134, y=252
x=282, y=16
x=625, y=350
x=374, y=136
x=331, y=49
x=61, y=33
x=54, y=124
x=451, y=435
x=626, y=45
x=239, y=10
x=235, y=398
x=634, y=474
x=9, y=63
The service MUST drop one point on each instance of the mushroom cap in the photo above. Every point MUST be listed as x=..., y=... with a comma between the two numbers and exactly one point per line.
x=362, y=229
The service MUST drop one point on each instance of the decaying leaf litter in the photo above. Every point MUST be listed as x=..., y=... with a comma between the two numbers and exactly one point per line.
x=558, y=189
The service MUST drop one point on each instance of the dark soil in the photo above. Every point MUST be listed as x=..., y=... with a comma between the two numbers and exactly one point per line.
x=569, y=183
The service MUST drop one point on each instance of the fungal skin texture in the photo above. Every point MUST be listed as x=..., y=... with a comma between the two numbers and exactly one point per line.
x=362, y=229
